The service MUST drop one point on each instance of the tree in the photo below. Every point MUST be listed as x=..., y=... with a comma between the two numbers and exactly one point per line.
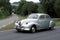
x=19, y=8
x=5, y=8
x=40, y=9
x=48, y=6
x=26, y=8
x=57, y=8
x=32, y=8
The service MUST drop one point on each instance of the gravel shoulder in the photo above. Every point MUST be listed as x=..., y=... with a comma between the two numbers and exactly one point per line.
x=7, y=21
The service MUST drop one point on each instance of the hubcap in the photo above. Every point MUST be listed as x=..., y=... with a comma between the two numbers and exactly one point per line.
x=33, y=29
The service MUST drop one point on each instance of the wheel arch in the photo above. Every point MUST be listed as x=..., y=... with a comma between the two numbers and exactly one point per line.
x=34, y=25
x=51, y=24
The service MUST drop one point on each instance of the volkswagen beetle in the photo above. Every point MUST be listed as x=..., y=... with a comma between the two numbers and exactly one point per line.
x=35, y=21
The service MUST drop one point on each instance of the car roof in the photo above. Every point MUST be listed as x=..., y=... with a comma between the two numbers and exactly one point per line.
x=40, y=14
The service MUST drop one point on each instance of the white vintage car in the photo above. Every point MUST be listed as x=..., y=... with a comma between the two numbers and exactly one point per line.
x=35, y=21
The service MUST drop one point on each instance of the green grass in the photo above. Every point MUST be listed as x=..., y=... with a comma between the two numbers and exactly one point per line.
x=2, y=18
x=57, y=23
x=8, y=27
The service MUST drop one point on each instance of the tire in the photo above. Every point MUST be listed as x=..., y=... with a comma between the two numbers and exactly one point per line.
x=52, y=24
x=18, y=30
x=33, y=30
x=51, y=28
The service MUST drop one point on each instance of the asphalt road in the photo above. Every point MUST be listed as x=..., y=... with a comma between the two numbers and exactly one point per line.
x=7, y=21
x=40, y=35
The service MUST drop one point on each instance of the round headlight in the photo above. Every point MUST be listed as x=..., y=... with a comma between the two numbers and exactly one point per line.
x=19, y=23
x=27, y=23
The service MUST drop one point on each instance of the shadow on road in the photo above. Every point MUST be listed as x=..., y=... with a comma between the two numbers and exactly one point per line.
x=38, y=31
x=44, y=30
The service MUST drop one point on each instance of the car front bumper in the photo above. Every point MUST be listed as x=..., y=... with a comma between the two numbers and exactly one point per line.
x=22, y=28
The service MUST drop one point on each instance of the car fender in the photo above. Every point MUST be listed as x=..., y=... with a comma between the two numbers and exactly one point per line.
x=30, y=24
x=52, y=23
x=33, y=23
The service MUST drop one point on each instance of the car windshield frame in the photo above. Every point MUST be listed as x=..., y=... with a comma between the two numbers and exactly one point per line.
x=32, y=16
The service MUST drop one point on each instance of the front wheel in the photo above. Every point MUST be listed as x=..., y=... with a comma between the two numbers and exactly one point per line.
x=33, y=29
x=18, y=30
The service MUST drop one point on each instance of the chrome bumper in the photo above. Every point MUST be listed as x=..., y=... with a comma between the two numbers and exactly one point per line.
x=22, y=28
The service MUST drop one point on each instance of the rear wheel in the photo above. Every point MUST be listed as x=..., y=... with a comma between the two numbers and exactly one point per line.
x=51, y=28
x=52, y=24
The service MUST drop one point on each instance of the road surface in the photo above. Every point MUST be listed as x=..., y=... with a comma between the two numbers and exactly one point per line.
x=41, y=35
x=7, y=21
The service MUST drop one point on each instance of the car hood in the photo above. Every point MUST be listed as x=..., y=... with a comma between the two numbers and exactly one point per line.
x=28, y=20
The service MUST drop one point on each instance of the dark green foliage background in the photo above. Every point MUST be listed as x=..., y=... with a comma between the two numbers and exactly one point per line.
x=51, y=7
x=26, y=8
x=5, y=8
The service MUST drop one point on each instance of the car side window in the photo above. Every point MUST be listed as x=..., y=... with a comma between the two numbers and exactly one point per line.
x=47, y=16
x=42, y=17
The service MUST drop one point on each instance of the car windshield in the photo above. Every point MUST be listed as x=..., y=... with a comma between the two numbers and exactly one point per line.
x=33, y=16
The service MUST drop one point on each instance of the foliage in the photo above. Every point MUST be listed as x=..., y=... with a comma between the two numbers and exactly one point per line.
x=26, y=8
x=5, y=8
x=40, y=9
x=2, y=11
x=57, y=8
x=32, y=8
x=51, y=7
x=48, y=6
x=19, y=8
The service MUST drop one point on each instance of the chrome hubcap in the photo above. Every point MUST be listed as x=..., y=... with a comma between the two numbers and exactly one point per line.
x=33, y=29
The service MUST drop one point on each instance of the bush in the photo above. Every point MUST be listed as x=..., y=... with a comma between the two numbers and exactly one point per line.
x=3, y=13
x=5, y=8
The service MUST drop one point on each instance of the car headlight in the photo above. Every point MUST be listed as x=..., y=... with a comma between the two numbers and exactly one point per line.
x=17, y=23
x=26, y=22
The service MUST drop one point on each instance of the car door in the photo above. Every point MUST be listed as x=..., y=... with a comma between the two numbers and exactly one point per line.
x=47, y=19
x=42, y=21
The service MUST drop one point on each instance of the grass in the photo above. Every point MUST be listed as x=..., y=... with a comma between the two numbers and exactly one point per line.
x=8, y=27
x=5, y=17
x=57, y=23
